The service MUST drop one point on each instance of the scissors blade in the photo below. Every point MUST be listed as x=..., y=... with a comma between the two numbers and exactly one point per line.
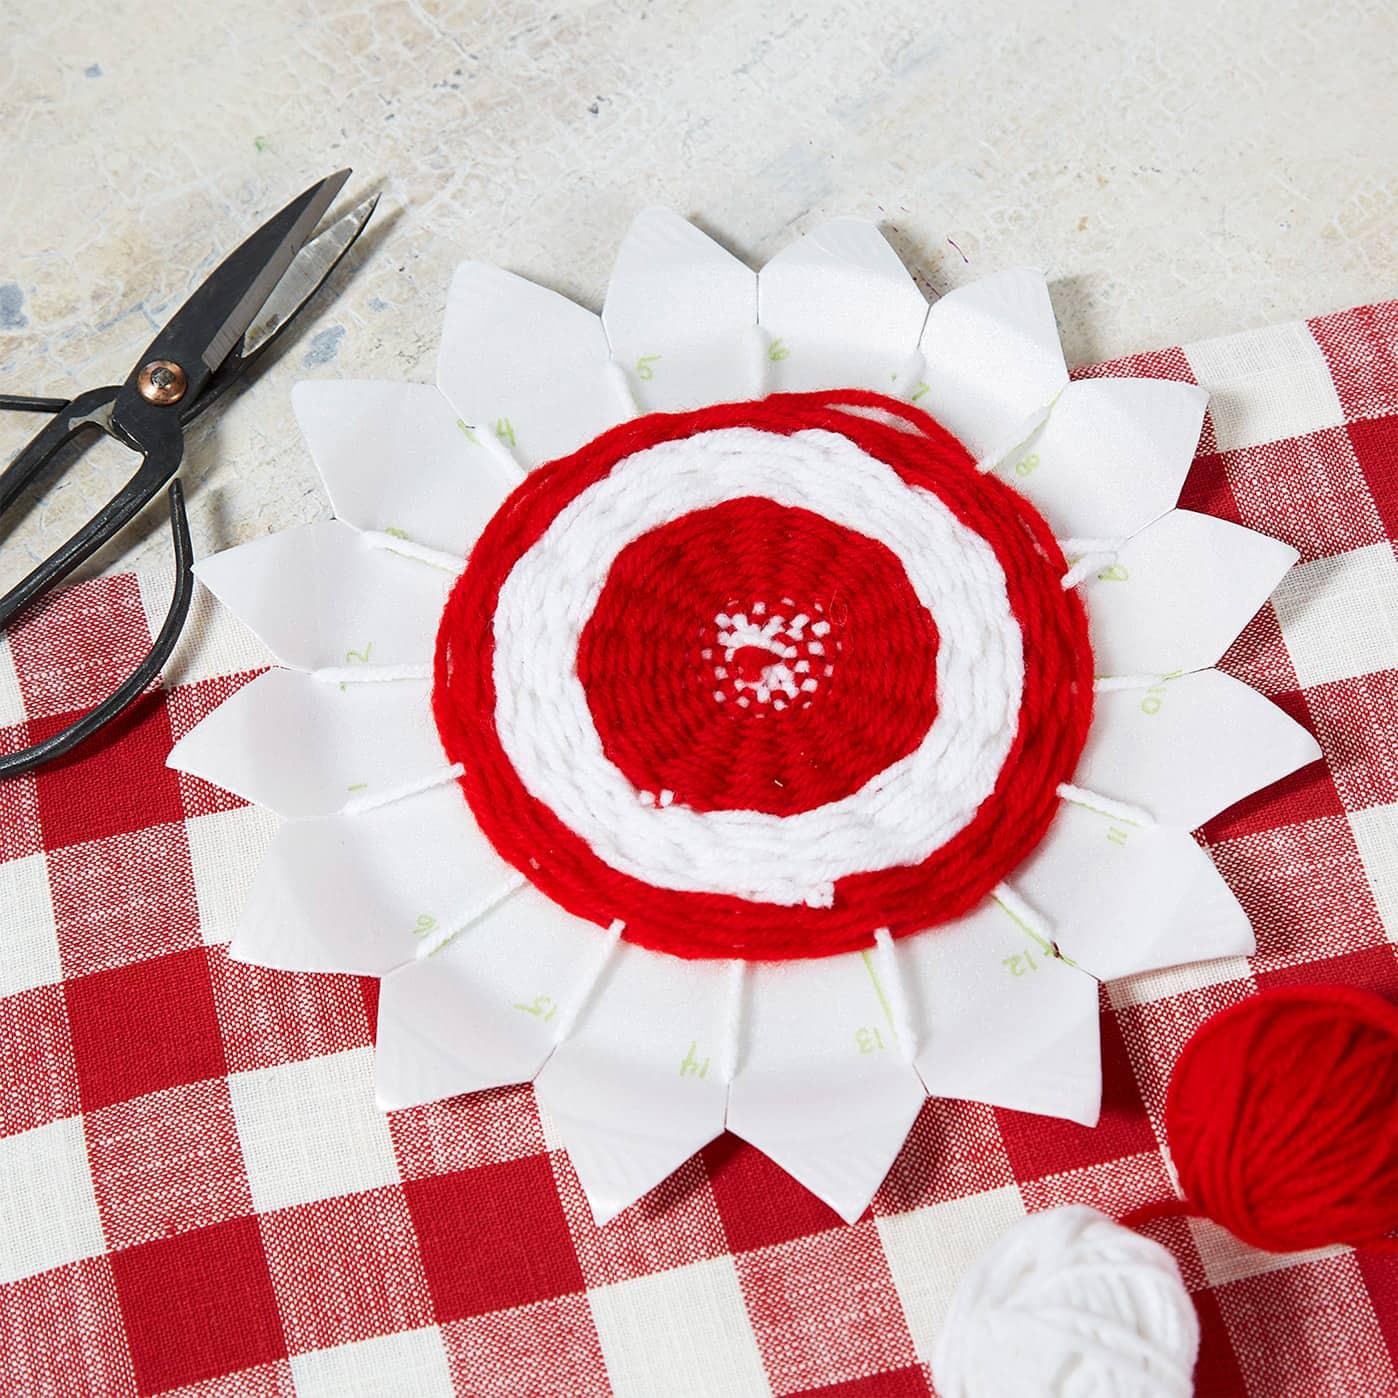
x=297, y=221
x=207, y=327
x=308, y=269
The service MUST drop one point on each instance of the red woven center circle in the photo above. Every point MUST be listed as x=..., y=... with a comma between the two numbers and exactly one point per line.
x=691, y=587
x=736, y=652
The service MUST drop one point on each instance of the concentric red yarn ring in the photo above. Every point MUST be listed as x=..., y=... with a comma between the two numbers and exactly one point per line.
x=1053, y=721
x=845, y=704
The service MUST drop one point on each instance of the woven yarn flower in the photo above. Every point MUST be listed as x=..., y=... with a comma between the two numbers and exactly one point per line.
x=759, y=706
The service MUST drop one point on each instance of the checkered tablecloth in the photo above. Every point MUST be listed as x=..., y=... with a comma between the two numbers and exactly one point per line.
x=198, y=1196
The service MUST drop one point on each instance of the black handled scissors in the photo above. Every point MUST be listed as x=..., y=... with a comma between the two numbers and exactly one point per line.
x=234, y=317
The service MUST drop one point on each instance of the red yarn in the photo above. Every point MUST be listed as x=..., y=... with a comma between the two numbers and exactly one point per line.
x=1053, y=721
x=649, y=655
x=1282, y=1120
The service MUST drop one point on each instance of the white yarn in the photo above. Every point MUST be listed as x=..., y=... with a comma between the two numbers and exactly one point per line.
x=1107, y=684
x=1105, y=805
x=370, y=674
x=408, y=548
x=731, y=1044
x=1069, y=1304
x=900, y=815
x=903, y=1024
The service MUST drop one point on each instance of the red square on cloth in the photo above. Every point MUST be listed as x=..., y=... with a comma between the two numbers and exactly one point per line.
x=114, y=782
x=1040, y=1146
x=825, y=1307
x=493, y=1237
x=1259, y=656
x=911, y=1382
x=123, y=898
x=1361, y=347
x=144, y=1027
x=953, y=1149
x=76, y=645
x=759, y=1203
x=1374, y=969
x=553, y=1342
x=269, y=1017
x=346, y=1269
x=36, y=1060
x=1307, y=491
x=20, y=832
x=166, y=1163
x=458, y=1133
x=1356, y=721
x=1380, y=1273
x=1297, y=1329
x=675, y=1224
x=1304, y=889
x=198, y=1305
x=1375, y=442
x=1216, y=1372
x=1206, y=490
x=61, y=1334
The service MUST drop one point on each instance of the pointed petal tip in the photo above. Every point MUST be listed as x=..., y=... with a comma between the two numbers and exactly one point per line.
x=178, y=756
x=847, y=1191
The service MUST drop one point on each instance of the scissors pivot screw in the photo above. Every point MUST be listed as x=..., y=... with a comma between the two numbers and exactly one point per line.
x=162, y=381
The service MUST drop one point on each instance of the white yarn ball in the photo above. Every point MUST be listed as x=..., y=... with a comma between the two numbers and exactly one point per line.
x=1069, y=1304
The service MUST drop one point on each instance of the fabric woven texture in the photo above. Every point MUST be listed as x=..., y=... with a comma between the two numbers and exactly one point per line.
x=199, y=1196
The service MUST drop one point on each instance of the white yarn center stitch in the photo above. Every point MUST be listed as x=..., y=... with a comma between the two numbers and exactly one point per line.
x=798, y=656
x=898, y=817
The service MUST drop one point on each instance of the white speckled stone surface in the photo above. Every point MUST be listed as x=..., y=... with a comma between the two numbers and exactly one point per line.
x=1181, y=171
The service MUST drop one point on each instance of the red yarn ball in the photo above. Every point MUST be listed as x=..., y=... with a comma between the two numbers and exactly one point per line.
x=1282, y=1119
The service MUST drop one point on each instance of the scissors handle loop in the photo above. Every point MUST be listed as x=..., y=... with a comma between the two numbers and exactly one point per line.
x=91, y=412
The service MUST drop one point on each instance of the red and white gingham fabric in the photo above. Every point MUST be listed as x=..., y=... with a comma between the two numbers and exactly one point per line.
x=198, y=1196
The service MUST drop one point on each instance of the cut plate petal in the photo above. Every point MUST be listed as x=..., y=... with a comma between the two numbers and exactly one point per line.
x=1114, y=893
x=992, y=360
x=303, y=747
x=839, y=311
x=394, y=456
x=1189, y=747
x=1209, y=922
x=1179, y=594
x=484, y=1011
x=822, y=1085
x=637, y=1086
x=525, y=363
x=1112, y=455
x=363, y=893
x=680, y=316
x=322, y=596
x=1002, y=1020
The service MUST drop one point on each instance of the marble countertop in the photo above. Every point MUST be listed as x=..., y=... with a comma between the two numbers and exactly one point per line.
x=1179, y=171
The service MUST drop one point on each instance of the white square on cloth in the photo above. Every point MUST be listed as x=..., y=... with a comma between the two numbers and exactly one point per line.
x=410, y=1364
x=928, y=1249
x=1265, y=385
x=1339, y=616
x=47, y=1206
x=31, y=939
x=1376, y=836
x=312, y=1130
x=683, y=1334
